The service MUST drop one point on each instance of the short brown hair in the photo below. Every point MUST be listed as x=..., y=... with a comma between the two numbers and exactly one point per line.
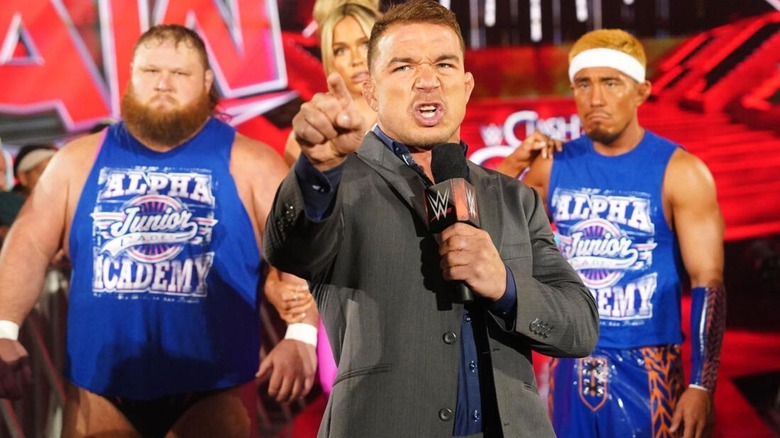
x=615, y=39
x=179, y=34
x=414, y=11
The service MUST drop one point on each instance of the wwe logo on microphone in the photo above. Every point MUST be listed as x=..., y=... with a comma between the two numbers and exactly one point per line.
x=471, y=201
x=438, y=203
x=454, y=200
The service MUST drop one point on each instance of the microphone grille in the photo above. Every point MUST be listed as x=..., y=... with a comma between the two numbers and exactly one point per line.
x=448, y=161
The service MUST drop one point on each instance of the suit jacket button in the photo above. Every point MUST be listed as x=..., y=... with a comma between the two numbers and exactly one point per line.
x=288, y=214
x=445, y=414
x=450, y=338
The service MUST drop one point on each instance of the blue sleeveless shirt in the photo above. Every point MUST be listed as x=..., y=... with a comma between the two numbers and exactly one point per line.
x=610, y=223
x=166, y=268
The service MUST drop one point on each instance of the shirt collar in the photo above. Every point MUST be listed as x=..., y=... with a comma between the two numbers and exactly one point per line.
x=401, y=151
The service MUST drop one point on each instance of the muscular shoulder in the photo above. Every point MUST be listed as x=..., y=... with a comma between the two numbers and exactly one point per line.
x=257, y=170
x=686, y=170
x=75, y=159
x=59, y=187
x=687, y=179
x=253, y=160
x=87, y=144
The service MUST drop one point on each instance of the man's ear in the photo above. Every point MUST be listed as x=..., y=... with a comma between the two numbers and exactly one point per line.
x=643, y=92
x=469, y=78
x=369, y=93
x=208, y=80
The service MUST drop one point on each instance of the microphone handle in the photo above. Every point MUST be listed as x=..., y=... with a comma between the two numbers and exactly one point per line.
x=463, y=293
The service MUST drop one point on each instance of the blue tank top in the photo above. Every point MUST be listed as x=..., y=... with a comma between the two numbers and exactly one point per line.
x=610, y=223
x=166, y=267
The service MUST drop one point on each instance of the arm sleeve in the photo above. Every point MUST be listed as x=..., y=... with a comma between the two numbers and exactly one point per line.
x=304, y=227
x=555, y=312
x=708, y=322
x=505, y=306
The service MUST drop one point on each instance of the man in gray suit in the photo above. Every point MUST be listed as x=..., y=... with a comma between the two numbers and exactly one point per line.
x=413, y=362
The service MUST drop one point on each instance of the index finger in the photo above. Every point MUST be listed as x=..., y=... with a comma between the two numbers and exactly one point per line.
x=338, y=89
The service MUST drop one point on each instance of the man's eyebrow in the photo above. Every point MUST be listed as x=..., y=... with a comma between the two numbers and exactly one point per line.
x=402, y=60
x=408, y=59
x=598, y=78
x=448, y=57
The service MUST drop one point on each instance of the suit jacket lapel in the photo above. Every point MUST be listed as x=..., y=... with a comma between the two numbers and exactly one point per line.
x=402, y=179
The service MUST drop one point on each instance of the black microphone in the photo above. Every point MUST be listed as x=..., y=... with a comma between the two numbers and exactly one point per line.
x=452, y=199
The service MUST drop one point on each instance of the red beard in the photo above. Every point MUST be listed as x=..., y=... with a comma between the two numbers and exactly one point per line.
x=169, y=128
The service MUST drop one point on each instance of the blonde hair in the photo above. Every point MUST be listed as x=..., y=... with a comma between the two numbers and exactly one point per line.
x=365, y=17
x=323, y=8
x=614, y=39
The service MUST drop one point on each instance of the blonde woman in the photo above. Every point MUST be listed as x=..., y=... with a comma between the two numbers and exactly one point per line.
x=344, y=43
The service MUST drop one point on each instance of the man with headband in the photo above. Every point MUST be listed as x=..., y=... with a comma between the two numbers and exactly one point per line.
x=636, y=214
x=29, y=165
x=26, y=168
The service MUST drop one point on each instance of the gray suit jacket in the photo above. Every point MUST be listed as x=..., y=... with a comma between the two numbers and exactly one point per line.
x=393, y=330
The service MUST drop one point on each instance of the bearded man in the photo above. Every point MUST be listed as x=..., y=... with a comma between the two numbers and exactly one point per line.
x=161, y=215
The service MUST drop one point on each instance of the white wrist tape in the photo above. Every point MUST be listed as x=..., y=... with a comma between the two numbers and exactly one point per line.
x=692, y=385
x=9, y=330
x=303, y=332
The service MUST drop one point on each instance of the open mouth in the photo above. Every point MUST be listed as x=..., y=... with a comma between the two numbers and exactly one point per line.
x=429, y=114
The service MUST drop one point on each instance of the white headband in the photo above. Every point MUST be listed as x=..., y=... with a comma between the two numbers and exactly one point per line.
x=607, y=58
x=33, y=158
